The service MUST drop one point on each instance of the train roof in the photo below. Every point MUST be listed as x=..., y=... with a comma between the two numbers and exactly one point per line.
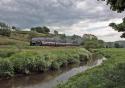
x=42, y=39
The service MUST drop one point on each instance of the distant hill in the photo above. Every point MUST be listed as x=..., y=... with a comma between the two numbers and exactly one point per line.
x=112, y=44
x=121, y=43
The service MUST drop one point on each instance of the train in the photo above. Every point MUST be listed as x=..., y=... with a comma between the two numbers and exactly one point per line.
x=50, y=42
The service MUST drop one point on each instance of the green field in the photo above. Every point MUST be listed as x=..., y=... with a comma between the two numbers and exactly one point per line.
x=27, y=59
x=111, y=74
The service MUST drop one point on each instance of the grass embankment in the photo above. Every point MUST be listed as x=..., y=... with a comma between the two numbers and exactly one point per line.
x=20, y=38
x=26, y=60
x=111, y=74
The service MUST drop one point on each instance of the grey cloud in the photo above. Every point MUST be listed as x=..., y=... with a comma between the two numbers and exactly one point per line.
x=28, y=13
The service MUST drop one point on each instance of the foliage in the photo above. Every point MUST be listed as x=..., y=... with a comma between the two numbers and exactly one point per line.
x=117, y=45
x=5, y=32
x=4, y=29
x=39, y=59
x=119, y=27
x=116, y=5
x=109, y=75
x=41, y=29
x=56, y=32
x=119, y=6
x=6, y=68
x=92, y=42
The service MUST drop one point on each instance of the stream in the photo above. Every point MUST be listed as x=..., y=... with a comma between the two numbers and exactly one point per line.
x=48, y=79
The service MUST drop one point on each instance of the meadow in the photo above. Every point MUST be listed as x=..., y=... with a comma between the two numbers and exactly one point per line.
x=29, y=59
x=110, y=74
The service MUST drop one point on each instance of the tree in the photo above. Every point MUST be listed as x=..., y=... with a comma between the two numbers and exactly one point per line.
x=4, y=29
x=56, y=32
x=46, y=30
x=63, y=37
x=116, y=5
x=89, y=37
x=117, y=45
x=38, y=29
x=76, y=39
x=119, y=6
x=119, y=27
x=92, y=42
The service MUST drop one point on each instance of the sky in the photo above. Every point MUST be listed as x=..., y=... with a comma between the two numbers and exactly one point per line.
x=66, y=16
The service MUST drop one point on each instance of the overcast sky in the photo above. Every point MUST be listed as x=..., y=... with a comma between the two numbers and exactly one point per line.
x=66, y=16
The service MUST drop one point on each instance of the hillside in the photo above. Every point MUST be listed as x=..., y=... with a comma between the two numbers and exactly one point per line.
x=23, y=37
x=20, y=37
x=112, y=44
x=121, y=43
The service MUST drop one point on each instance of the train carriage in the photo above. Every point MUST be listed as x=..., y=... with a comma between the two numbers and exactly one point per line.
x=49, y=42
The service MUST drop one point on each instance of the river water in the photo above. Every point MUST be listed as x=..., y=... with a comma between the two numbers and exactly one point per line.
x=48, y=79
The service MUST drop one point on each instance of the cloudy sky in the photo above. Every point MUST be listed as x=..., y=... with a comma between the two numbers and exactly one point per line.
x=66, y=16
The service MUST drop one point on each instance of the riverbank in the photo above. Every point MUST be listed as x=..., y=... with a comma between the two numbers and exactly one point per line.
x=49, y=79
x=108, y=75
x=27, y=60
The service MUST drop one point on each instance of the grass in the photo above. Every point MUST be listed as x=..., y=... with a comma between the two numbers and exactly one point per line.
x=21, y=37
x=29, y=59
x=9, y=41
x=111, y=74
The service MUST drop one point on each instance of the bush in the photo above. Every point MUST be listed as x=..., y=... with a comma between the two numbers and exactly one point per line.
x=6, y=68
x=55, y=65
x=29, y=62
x=42, y=64
x=5, y=32
x=37, y=59
x=84, y=57
x=73, y=58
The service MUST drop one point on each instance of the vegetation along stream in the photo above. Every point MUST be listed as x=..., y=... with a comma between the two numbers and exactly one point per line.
x=48, y=79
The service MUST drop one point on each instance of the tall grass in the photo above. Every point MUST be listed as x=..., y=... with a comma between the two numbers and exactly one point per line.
x=110, y=74
x=40, y=59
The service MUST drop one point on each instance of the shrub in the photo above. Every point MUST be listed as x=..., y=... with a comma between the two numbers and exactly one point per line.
x=55, y=65
x=41, y=64
x=5, y=32
x=73, y=58
x=37, y=59
x=83, y=57
x=6, y=68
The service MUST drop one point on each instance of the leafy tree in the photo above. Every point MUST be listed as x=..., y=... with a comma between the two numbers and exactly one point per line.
x=117, y=45
x=92, y=42
x=44, y=29
x=4, y=29
x=63, y=37
x=119, y=27
x=89, y=37
x=76, y=39
x=56, y=32
x=119, y=6
x=116, y=5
